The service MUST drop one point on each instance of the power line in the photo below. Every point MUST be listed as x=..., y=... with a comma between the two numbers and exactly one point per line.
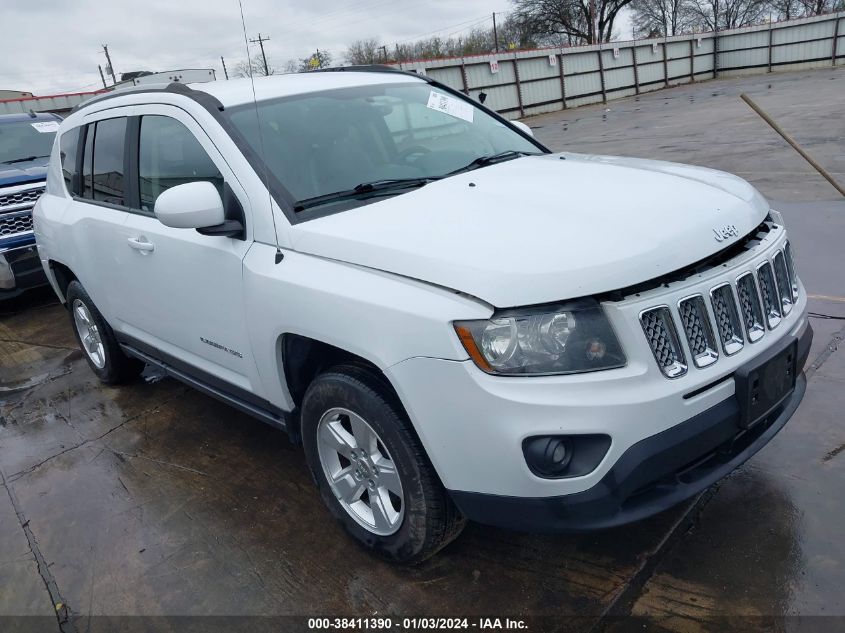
x=465, y=24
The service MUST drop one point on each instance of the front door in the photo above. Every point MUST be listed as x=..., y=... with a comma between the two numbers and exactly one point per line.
x=183, y=291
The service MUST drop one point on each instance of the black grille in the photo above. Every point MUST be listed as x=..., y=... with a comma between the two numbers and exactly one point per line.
x=696, y=324
x=14, y=223
x=663, y=340
x=727, y=319
x=749, y=303
x=768, y=291
x=30, y=195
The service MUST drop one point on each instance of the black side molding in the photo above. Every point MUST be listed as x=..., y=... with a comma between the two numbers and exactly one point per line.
x=275, y=417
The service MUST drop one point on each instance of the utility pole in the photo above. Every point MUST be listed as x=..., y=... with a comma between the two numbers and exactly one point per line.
x=260, y=41
x=225, y=72
x=495, y=33
x=593, y=23
x=109, y=67
x=102, y=76
x=716, y=40
x=383, y=53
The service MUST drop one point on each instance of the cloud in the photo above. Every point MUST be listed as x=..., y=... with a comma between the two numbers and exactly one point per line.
x=51, y=46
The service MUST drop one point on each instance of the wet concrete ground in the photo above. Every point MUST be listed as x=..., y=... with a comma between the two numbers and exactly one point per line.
x=151, y=499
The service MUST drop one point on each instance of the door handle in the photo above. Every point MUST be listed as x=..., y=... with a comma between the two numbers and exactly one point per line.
x=141, y=244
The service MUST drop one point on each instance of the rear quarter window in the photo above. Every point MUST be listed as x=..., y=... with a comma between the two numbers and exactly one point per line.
x=68, y=150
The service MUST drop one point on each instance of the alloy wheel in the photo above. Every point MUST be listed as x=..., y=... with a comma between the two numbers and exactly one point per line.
x=361, y=474
x=89, y=334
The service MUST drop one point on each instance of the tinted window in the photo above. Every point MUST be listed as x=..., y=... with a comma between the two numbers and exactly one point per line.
x=27, y=141
x=108, y=160
x=68, y=145
x=87, y=159
x=170, y=155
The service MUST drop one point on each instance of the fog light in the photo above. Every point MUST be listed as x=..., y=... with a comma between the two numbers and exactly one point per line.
x=564, y=456
x=548, y=455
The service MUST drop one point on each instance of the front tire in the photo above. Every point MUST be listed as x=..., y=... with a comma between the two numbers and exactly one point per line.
x=96, y=339
x=371, y=469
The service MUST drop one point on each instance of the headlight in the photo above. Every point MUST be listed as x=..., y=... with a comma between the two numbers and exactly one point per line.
x=570, y=338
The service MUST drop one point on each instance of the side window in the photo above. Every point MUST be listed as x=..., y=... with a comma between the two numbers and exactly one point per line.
x=109, y=184
x=170, y=155
x=68, y=144
x=87, y=159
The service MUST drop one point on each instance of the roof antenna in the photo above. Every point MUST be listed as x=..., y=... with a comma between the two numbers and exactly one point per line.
x=279, y=254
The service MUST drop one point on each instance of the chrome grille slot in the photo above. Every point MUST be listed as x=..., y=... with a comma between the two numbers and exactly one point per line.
x=663, y=339
x=790, y=268
x=769, y=294
x=697, y=328
x=20, y=197
x=15, y=223
x=783, y=284
x=727, y=319
x=752, y=312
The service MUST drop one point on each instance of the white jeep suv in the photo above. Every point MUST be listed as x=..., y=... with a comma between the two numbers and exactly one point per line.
x=455, y=322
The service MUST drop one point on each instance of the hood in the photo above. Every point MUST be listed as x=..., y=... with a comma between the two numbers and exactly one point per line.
x=545, y=228
x=21, y=173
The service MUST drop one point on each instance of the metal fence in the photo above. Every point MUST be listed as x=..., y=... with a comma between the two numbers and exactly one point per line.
x=523, y=83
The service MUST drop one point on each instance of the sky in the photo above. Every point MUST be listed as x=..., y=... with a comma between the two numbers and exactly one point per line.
x=54, y=46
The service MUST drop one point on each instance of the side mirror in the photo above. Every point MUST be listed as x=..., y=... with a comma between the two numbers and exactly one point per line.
x=194, y=205
x=523, y=127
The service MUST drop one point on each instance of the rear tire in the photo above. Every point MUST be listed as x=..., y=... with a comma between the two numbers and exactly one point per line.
x=96, y=339
x=340, y=406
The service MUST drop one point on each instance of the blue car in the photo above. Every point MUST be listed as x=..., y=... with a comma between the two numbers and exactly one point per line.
x=26, y=141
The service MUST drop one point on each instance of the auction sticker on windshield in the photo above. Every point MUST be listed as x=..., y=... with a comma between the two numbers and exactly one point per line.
x=449, y=105
x=46, y=126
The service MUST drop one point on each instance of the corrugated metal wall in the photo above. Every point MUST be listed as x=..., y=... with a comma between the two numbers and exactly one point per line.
x=523, y=83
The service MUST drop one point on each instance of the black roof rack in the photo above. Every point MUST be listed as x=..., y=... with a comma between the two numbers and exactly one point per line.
x=369, y=68
x=205, y=99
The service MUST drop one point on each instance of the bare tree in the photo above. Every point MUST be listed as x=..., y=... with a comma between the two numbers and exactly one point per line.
x=570, y=19
x=786, y=9
x=712, y=15
x=253, y=68
x=320, y=59
x=367, y=51
x=657, y=18
x=818, y=7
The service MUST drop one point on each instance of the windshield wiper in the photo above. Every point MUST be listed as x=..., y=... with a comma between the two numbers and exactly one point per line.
x=363, y=190
x=25, y=159
x=484, y=161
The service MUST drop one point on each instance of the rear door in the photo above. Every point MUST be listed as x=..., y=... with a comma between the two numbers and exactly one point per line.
x=182, y=292
x=96, y=216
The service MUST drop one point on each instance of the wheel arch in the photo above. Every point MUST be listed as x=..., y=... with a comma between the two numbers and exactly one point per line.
x=302, y=358
x=62, y=276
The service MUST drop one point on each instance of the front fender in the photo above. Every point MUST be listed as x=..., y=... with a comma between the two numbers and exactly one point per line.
x=381, y=317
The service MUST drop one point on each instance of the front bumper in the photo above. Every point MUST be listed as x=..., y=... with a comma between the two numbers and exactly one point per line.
x=652, y=475
x=20, y=269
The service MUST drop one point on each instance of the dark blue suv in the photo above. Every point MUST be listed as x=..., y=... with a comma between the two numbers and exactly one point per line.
x=26, y=141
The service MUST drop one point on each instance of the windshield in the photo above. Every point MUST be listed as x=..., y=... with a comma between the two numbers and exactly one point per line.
x=26, y=140
x=318, y=144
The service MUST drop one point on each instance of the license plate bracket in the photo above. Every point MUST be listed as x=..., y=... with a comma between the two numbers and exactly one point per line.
x=763, y=386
